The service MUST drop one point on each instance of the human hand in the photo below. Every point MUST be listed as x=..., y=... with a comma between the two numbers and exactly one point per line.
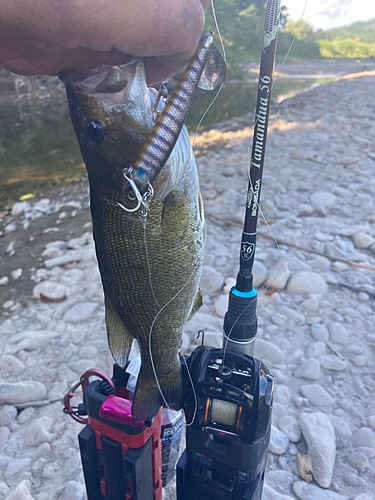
x=47, y=36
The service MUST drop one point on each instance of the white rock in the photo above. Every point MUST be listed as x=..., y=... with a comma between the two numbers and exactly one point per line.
x=12, y=365
x=310, y=368
x=37, y=432
x=4, y=280
x=323, y=199
x=307, y=282
x=316, y=395
x=229, y=283
x=278, y=319
x=341, y=427
x=213, y=339
x=331, y=362
x=266, y=350
x=7, y=414
x=17, y=273
x=290, y=426
x=311, y=304
x=212, y=281
x=73, y=491
x=22, y=492
x=80, y=312
x=16, y=466
x=316, y=349
x=19, y=208
x=278, y=443
x=359, y=461
x=346, y=161
x=50, y=289
x=259, y=274
x=320, y=438
x=278, y=276
x=70, y=256
x=364, y=437
x=21, y=392
x=282, y=394
x=25, y=415
x=371, y=421
x=4, y=435
x=221, y=305
x=280, y=480
x=362, y=240
x=306, y=491
x=319, y=332
x=338, y=333
x=363, y=496
x=9, y=228
x=303, y=154
x=4, y=489
x=29, y=340
x=270, y=494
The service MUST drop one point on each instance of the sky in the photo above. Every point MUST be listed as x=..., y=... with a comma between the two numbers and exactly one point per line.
x=327, y=14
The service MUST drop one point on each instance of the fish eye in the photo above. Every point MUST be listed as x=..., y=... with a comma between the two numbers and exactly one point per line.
x=97, y=131
x=131, y=195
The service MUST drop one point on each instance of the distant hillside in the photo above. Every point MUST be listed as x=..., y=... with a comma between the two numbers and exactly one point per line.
x=361, y=31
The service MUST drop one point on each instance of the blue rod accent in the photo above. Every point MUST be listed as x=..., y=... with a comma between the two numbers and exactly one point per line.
x=245, y=295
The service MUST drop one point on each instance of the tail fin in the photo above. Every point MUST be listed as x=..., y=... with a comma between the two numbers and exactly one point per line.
x=148, y=399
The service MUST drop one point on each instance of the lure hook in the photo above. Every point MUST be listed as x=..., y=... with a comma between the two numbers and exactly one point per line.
x=142, y=200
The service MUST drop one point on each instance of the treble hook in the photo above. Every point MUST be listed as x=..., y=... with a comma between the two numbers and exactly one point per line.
x=142, y=200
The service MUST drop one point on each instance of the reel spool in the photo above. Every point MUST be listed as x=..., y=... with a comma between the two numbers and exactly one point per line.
x=226, y=443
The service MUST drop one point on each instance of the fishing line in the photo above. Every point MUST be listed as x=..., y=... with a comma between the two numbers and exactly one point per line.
x=291, y=45
x=152, y=326
x=221, y=86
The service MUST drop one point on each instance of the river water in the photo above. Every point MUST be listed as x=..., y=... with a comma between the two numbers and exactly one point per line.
x=38, y=147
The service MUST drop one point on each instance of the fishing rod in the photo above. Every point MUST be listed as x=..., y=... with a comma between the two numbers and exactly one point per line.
x=229, y=393
x=240, y=323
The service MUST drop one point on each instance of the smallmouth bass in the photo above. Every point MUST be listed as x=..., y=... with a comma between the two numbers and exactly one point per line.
x=150, y=269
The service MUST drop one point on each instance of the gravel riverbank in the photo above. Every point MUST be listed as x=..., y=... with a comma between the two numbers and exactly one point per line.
x=316, y=317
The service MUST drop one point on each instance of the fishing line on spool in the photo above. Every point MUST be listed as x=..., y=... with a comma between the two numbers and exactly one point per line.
x=153, y=323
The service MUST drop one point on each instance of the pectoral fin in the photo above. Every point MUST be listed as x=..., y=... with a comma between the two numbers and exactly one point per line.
x=198, y=302
x=119, y=339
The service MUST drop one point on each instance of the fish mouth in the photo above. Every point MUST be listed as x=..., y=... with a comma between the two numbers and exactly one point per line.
x=112, y=85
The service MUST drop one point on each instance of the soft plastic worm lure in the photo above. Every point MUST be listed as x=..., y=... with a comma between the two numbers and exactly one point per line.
x=162, y=138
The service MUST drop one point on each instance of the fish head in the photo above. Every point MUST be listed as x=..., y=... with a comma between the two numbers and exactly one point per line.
x=111, y=111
